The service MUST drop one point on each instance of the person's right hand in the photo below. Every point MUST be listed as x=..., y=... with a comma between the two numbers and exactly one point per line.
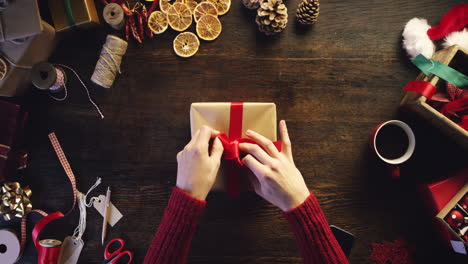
x=276, y=179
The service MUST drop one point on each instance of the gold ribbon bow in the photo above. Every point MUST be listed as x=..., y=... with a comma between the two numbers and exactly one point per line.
x=15, y=200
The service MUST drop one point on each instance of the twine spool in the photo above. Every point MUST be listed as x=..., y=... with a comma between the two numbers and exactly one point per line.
x=52, y=78
x=47, y=77
x=109, y=61
x=114, y=16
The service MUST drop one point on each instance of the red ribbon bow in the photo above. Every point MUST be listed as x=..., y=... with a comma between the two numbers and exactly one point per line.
x=232, y=152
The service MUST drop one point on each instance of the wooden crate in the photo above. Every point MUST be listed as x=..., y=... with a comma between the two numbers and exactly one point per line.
x=417, y=103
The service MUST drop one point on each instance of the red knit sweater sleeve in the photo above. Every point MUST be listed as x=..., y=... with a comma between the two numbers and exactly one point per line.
x=172, y=240
x=316, y=241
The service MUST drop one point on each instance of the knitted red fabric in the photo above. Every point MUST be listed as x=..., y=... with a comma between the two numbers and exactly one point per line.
x=172, y=240
x=171, y=243
x=316, y=241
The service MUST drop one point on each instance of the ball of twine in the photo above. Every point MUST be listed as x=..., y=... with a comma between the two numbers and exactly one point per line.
x=109, y=61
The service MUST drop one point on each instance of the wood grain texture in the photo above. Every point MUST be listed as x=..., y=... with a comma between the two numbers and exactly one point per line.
x=332, y=82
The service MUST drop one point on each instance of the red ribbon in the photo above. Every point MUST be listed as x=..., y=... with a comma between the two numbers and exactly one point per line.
x=41, y=224
x=231, y=148
x=422, y=87
x=427, y=90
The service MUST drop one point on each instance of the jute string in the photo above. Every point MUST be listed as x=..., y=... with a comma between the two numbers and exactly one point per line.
x=109, y=61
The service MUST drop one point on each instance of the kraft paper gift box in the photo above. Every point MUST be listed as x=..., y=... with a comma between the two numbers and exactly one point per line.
x=20, y=19
x=259, y=117
x=31, y=51
x=73, y=13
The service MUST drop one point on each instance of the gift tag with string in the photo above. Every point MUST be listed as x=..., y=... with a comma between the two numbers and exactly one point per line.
x=73, y=245
x=71, y=250
x=114, y=213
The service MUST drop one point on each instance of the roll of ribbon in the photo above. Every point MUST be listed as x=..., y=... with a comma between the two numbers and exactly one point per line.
x=47, y=77
x=114, y=16
x=9, y=247
x=48, y=251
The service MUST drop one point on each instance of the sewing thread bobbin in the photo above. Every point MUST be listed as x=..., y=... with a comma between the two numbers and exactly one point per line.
x=47, y=77
x=114, y=16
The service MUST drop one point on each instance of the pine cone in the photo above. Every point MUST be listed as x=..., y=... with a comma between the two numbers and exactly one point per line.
x=272, y=16
x=308, y=11
x=251, y=4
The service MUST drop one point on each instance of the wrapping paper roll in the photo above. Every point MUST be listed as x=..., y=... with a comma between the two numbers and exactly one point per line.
x=9, y=247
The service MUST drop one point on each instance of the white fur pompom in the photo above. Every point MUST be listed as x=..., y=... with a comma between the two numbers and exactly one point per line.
x=460, y=38
x=415, y=39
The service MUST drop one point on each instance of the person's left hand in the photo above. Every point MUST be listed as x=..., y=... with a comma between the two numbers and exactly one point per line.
x=198, y=165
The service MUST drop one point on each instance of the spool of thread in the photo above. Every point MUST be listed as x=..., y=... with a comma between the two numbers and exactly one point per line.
x=114, y=16
x=109, y=61
x=45, y=76
x=48, y=251
x=9, y=247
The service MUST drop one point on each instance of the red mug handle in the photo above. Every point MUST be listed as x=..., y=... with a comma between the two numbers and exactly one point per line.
x=394, y=171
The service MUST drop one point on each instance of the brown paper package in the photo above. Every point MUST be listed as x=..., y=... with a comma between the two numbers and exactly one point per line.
x=259, y=117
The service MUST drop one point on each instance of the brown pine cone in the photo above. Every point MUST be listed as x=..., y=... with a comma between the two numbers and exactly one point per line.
x=272, y=16
x=251, y=4
x=308, y=11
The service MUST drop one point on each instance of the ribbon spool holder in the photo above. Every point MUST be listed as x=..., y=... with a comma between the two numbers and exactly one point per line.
x=45, y=77
x=10, y=249
x=114, y=16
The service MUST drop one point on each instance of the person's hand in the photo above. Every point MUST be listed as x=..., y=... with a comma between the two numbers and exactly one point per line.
x=276, y=179
x=197, y=164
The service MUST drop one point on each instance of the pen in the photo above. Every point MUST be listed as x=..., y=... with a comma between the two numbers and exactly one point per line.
x=106, y=212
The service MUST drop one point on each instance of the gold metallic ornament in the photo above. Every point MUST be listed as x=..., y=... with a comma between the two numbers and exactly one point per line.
x=15, y=200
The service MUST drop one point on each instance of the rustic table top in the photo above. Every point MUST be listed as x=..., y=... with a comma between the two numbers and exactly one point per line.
x=332, y=82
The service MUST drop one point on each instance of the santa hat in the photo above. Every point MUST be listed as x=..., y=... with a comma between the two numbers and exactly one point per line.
x=418, y=35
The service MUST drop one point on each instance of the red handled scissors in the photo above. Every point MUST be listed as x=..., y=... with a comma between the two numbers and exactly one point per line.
x=114, y=256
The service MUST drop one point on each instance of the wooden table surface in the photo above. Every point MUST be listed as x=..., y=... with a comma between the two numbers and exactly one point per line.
x=332, y=82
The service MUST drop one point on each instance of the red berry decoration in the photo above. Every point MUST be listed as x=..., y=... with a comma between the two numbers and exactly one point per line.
x=455, y=218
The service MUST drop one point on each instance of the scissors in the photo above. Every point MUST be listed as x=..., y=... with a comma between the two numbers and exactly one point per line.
x=113, y=257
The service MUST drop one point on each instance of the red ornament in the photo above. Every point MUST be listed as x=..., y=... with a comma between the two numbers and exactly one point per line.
x=455, y=218
x=464, y=202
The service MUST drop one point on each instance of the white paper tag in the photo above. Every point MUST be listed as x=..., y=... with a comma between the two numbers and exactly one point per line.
x=71, y=250
x=458, y=246
x=114, y=213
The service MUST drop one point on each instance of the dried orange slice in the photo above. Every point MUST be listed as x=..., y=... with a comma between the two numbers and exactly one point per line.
x=209, y=27
x=165, y=4
x=3, y=69
x=179, y=16
x=221, y=5
x=157, y=22
x=204, y=8
x=186, y=44
x=191, y=4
